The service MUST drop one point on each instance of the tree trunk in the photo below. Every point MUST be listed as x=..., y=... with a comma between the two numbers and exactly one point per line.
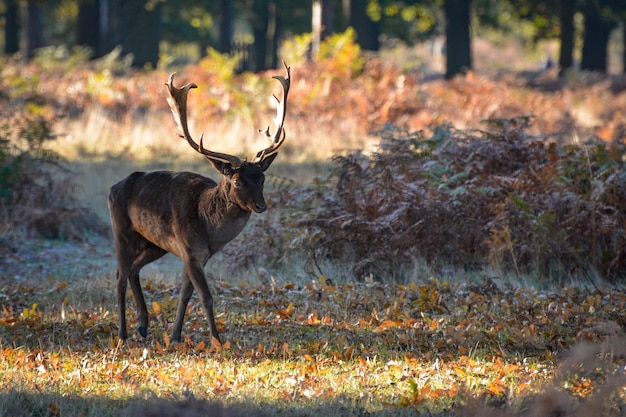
x=259, y=29
x=595, y=40
x=11, y=28
x=110, y=22
x=33, y=29
x=225, y=26
x=273, y=31
x=458, y=41
x=266, y=31
x=566, y=17
x=345, y=14
x=321, y=22
x=88, y=26
x=104, y=27
x=366, y=29
x=141, y=32
x=624, y=49
x=130, y=25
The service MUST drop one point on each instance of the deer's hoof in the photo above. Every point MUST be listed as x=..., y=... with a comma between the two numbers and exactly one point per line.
x=143, y=331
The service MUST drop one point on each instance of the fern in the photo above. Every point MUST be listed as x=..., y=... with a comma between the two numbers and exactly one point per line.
x=500, y=198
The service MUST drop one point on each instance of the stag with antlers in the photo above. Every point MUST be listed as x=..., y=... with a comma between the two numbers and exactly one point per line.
x=186, y=214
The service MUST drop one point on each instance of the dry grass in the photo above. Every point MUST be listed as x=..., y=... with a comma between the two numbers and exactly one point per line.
x=303, y=338
x=102, y=151
x=301, y=349
x=154, y=137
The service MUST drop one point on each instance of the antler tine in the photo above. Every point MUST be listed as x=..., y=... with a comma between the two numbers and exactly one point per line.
x=177, y=101
x=279, y=135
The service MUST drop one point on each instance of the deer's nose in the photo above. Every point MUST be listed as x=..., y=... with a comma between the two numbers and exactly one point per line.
x=260, y=207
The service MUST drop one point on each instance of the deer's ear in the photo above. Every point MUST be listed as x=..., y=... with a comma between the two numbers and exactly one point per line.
x=224, y=168
x=265, y=163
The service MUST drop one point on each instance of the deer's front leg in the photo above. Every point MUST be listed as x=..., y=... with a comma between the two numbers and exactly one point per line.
x=195, y=272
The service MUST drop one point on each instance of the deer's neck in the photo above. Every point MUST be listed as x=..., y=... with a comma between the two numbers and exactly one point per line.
x=222, y=215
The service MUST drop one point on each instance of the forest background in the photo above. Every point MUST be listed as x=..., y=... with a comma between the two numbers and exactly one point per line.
x=446, y=231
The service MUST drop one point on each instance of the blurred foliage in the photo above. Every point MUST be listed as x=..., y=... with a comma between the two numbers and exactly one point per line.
x=36, y=192
x=114, y=62
x=22, y=148
x=222, y=66
x=340, y=55
x=409, y=21
x=62, y=57
x=297, y=48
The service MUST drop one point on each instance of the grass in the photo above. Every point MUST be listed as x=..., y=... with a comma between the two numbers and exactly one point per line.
x=300, y=348
x=282, y=346
x=299, y=341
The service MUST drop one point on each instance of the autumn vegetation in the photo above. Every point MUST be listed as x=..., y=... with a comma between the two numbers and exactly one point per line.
x=433, y=247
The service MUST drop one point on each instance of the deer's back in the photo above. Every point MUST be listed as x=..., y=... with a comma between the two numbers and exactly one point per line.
x=160, y=190
x=158, y=205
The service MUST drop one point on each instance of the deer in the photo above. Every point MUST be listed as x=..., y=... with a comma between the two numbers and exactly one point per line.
x=186, y=214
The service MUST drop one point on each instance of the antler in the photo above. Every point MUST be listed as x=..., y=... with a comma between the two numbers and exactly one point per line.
x=178, y=103
x=279, y=135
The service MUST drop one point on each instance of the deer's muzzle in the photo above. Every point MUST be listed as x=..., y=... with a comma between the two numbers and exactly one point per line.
x=260, y=207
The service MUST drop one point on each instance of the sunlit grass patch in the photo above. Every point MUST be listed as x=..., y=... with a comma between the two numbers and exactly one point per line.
x=128, y=373
x=297, y=346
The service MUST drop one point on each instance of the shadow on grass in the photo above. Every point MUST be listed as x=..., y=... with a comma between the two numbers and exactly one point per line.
x=17, y=403
x=550, y=401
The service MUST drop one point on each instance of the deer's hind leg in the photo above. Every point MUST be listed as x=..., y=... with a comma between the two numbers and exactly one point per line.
x=133, y=253
x=149, y=253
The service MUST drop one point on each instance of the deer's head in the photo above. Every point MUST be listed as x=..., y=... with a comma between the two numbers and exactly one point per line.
x=245, y=184
x=245, y=179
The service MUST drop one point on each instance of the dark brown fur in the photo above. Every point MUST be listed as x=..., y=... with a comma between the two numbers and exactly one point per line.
x=186, y=214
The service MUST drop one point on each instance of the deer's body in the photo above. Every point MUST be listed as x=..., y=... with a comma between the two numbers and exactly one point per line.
x=174, y=210
x=186, y=214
